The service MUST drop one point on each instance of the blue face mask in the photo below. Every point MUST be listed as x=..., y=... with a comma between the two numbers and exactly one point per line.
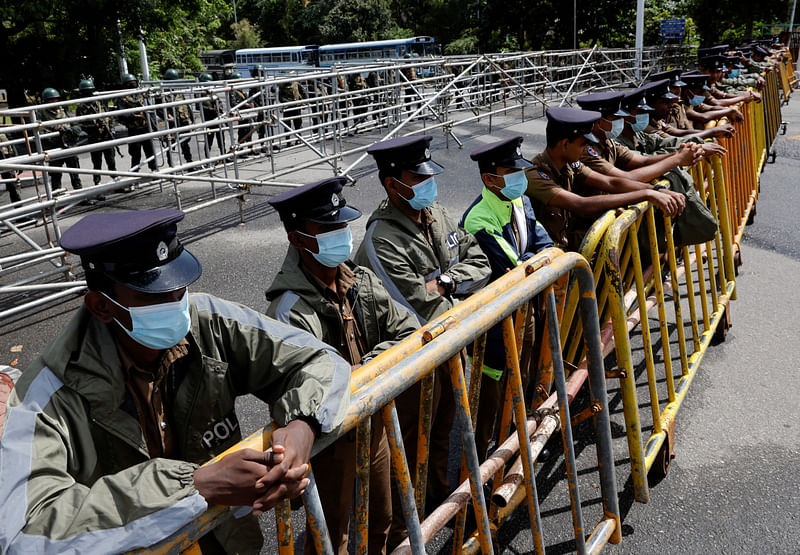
x=616, y=128
x=642, y=121
x=424, y=193
x=334, y=246
x=158, y=326
x=515, y=184
x=697, y=100
x=734, y=73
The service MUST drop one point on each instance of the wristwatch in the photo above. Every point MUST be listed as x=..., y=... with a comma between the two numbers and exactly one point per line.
x=447, y=283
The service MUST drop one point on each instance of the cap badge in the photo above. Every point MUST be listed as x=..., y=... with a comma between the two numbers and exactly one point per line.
x=427, y=154
x=335, y=199
x=519, y=151
x=162, y=251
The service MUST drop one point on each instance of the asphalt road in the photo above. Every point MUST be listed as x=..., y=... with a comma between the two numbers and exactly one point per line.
x=733, y=487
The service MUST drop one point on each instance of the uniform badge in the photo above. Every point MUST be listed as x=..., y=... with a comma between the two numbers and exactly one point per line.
x=592, y=151
x=543, y=175
x=452, y=240
x=427, y=154
x=162, y=251
x=519, y=151
x=335, y=199
x=575, y=165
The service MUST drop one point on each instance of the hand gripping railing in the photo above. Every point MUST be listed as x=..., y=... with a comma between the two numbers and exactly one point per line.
x=375, y=386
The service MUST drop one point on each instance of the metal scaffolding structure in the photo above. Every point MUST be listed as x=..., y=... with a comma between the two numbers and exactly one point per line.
x=229, y=125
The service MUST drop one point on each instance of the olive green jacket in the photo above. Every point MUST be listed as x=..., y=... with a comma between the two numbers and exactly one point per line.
x=396, y=249
x=295, y=300
x=75, y=473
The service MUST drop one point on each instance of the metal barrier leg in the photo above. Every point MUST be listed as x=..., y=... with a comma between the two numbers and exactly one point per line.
x=283, y=521
x=518, y=396
x=403, y=478
x=316, y=518
x=470, y=452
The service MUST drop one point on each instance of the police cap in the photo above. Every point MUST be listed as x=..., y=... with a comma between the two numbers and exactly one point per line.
x=321, y=202
x=138, y=249
x=569, y=123
x=733, y=62
x=607, y=103
x=412, y=154
x=696, y=81
x=504, y=154
x=658, y=90
x=634, y=100
x=674, y=76
x=713, y=62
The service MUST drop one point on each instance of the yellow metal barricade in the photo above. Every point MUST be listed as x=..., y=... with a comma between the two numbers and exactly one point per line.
x=375, y=386
x=702, y=273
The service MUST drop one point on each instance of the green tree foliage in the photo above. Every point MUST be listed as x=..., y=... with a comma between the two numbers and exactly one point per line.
x=246, y=35
x=53, y=43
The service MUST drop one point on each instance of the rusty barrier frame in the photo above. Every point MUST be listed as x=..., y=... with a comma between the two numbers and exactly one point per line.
x=708, y=273
x=375, y=385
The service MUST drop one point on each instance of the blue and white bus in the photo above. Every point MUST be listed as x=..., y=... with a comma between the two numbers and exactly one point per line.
x=365, y=52
x=288, y=58
x=284, y=57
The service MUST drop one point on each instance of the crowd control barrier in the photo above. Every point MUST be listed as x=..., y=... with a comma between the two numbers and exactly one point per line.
x=375, y=386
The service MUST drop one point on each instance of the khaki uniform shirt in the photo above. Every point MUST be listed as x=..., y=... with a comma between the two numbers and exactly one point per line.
x=544, y=181
x=605, y=156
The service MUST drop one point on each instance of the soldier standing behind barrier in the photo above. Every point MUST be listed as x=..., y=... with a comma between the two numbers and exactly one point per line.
x=503, y=222
x=426, y=262
x=563, y=190
x=319, y=108
x=98, y=129
x=137, y=124
x=50, y=95
x=360, y=101
x=290, y=91
x=237, y=99
x=346, y=306
x=183, y=113
x=258, y=94
x=9, y=177
x=211, y=112
x=108, y=427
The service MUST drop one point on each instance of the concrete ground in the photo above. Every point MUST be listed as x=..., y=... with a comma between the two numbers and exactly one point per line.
x=733, y=487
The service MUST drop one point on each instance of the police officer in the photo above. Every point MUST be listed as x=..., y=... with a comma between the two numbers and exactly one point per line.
x=50, y=96
x=320, y=291
x=636, y=136
x=290, y=91
x=611, y=158
x=714, y=67
x=503, y=222
x=426, y=262
x=98, y=130
x=108, y=426
x=183, y=115
x=563, y=190
x=695, y=95
x=138, y=123
x=210, y=109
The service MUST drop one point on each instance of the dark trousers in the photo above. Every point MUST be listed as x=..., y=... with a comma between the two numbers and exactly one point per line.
x=97, y=161
x=74, y=178
x=335, y=473
x=11, y=186
x=407, y=405
x=135, y=152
